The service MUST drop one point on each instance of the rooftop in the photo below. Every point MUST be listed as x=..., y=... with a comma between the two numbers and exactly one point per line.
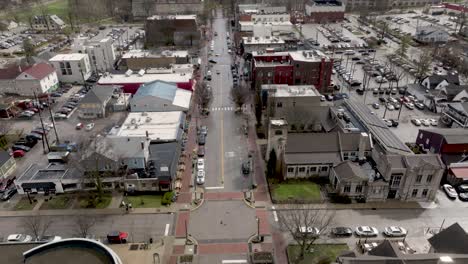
x=165, y=90
x=167, y=75
x=4, y=157
x=164, y=126
x=99, y=94
x=451, y=135
x=152, y=54
x=69, y=57
x=53, y=171
x=163, y=157
x=307, y=55
x=262, y=40
x=273, y=23
x=284, y=90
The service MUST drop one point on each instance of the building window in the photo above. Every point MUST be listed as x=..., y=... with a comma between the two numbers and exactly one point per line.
x=347, y=189
x=279, y=104
x=429, y=178
x=395, y=180
x=420, y=135
x=324, y=169
x=427, y=141
x=154, y=185
x=419, y=178
x=313, y=169
x=143, y=185
x=424, y=192
x=358, y=188
x=345, y=155
x=269, y=74
x=278, y=132
x=302, y=169
x=290, y=169
x=415, y=193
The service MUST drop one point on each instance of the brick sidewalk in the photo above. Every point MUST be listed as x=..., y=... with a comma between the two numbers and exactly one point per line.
x=223, y=248
x=220, y=196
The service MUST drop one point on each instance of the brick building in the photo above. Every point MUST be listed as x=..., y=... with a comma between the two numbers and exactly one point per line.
x=178, y=30
x=324, y=11
x=293, y=68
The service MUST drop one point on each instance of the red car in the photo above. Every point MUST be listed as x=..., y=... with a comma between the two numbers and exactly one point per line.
x=117, y=237
x=18, y=153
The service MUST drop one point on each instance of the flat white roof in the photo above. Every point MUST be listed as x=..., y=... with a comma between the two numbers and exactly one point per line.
x=284, y=90
x=274, y=23
x=151, y=54
x=182, y=98
x=68, y=57
x=307, y=55
x=156, y=17
x=262, y=40
x=158, y=125
x=146, y=78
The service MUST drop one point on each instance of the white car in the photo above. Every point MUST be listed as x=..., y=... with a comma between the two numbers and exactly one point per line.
x=425, y=122
x=308, y=230
x=19, y=238
x=89, y=126
x=433, y=122
x=49, y=238
x=390, y=107
x=366, y=231
x=416, y=122
x=409, y=106
x=450, y=191
x=201, y=164
x=200, y=177
x=395, y=231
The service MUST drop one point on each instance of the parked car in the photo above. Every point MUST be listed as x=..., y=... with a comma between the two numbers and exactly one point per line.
x=395, y=231
x=117, y=237
x=201, y=139
x=425, y=122
x=33, y=136
x=20, y=147
x=79, y=126
x=375, y=105
x=342, y=231
x=463, y=196
x=433, y=122
x=18, y=153
x=16, y=238
x=394, y=122
x=366, y=231
x=200, y=177
x=308, y=231
x=416, y=122
x=89, y=126
x=410, y=106
x=419, y=105
x=201, y=164
x=27, y=143
x=390, y=107
x=201, y=151
x=8, y=194
x=203, y=130
x=450, y=191
x=246, y=167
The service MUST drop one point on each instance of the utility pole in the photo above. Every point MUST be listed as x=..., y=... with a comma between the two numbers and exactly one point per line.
x=53, y=123
x=44, y=136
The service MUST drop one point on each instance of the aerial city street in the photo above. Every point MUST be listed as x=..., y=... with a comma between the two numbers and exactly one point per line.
x=216, y=131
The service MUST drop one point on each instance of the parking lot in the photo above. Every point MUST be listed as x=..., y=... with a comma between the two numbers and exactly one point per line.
x=124, y=37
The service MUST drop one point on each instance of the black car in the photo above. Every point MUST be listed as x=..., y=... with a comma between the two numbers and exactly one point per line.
x=201, y=139
x=20, y=147
x=212, y=61
x=382, y=99
x=360, y=91
x=29, y=144
x=342, y=231
x=394, y=122
x=33, y=136
x=246, y=167
x=8, y=194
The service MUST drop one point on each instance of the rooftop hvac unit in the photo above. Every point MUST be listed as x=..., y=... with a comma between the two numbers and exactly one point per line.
x=133, y=121
x=148, y=119
x=128, y=73
x=141, y=72
x=144, y=113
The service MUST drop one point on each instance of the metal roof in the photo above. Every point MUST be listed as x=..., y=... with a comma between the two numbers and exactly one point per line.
x=379, y=130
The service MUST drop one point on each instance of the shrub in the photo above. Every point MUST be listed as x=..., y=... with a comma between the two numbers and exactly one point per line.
x=342, y=199
x=167, y=198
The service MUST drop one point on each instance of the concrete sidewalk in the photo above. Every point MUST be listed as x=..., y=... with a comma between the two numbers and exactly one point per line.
x=361, y=206
x=175, y=207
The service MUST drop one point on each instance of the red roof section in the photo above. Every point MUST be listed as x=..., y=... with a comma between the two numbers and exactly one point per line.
x=40, y=70
x=461, y=172
x=9, y=73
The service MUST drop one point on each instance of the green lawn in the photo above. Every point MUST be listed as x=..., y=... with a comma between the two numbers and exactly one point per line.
x=318, y=252
x=24, y=204
x=58, y=7
x=304, y=190
x=83, y=202
x=145, y=201
x=57, y=202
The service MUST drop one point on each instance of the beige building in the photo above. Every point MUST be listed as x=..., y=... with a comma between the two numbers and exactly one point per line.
x=143, y=59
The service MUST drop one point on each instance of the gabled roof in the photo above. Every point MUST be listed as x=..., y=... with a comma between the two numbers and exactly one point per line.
x=385, y=249
x=40, y=70
x=323, y=142
x=451, y=135
x=4, y=157
x=420, y=160
x=10, y=73
x=349, y=171
x=453, y=239
x=453, y=90
x=98, y=94
x=435, y=79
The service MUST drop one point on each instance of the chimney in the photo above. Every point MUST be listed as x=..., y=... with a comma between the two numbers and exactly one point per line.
x=142, y=145
x=362, y=145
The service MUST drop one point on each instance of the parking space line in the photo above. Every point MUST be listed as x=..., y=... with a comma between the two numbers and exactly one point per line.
x=166, y=232
x=233, y=261
x=214, y=188
x=275, y=215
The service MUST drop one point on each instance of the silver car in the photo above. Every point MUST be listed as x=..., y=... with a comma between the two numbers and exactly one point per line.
x=366, y=231
x=395, y=231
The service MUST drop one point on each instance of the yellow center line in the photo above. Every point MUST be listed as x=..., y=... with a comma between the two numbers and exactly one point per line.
x=222, y=141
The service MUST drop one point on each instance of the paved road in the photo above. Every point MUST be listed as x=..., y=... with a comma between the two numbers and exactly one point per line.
x=226, y=145
x=139, y=226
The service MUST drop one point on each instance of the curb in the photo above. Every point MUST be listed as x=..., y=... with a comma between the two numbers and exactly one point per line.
x=249, y=204
x=202, y=201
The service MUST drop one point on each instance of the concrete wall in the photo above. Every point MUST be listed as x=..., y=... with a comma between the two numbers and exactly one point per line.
x=77, y=75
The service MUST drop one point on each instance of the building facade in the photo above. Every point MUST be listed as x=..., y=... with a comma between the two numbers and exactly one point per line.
x=96, y=103
x=101, y=53
x=180, y=30
x=262, y=44
x=292, y=68
x=382, y=5
x=47, y=23
x=143, y=59
x=324, y=11
x=72, y=67
x=38, y=78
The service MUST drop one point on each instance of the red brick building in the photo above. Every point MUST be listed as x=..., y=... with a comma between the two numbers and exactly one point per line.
x=293, y=68
x=324, y=11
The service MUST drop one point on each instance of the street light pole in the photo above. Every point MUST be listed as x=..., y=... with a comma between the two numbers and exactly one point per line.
x=258, y=228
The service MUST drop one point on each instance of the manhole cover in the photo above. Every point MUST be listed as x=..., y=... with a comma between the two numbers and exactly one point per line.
x=134, y=247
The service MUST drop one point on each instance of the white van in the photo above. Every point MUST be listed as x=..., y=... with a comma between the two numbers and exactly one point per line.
x=349, y=52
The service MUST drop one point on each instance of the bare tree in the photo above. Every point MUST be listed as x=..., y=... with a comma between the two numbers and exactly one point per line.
x=36, y=225
x=402, y=50
x=84, y=224
x=423, y=65
x=203, y=95
x=305, y=225
x=240, y=95
x=29, y=50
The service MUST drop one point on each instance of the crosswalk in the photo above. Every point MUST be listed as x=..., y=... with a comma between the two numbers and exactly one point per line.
x=226, y=108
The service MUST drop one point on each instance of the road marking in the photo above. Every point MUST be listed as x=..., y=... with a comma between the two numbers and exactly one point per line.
x=274, y=214
x=214, y=187
x=233, y=261
x=166, y=232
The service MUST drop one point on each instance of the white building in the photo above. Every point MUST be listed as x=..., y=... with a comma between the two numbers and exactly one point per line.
x=156, y=126
x=431, y=34
x=39, y=78
x=260, y=44
x=273, y=27
x=266, y=18
x=72, y=67
x=101, y=53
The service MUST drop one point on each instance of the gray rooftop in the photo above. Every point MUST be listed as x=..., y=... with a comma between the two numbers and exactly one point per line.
x=53, y=171
x=4, y=157
x=323, y=142
x=99, y=94
x=350, y=171
x=453, y=239
x=379, y=130
x=451, y=135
